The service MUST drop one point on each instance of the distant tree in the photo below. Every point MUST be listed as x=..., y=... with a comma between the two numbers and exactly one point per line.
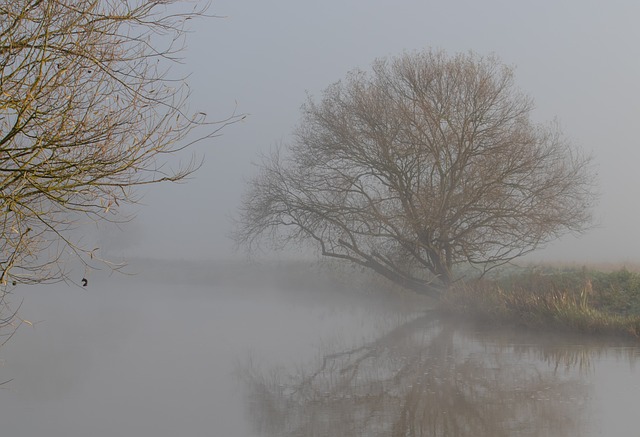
x=427, y=162
x=88, y=111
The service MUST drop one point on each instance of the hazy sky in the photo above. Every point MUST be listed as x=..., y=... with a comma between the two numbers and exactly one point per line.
x=579, y=60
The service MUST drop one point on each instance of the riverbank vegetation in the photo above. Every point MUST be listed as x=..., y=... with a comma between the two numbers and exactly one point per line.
x=567, y=299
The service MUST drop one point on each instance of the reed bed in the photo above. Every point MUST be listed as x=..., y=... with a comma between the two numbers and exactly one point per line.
x=583, y=300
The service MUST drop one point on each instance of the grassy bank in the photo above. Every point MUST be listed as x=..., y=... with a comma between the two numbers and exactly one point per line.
x=584, y=300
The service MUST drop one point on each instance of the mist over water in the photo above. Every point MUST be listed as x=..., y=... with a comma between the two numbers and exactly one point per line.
x=250, y=350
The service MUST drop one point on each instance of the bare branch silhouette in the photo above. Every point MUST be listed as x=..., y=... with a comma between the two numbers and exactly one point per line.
x=428, y=162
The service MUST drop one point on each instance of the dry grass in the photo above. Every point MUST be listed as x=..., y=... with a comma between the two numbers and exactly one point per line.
x=587, y=301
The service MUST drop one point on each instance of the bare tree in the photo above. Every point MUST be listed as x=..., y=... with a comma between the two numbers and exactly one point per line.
x=89, y=110
x=427, y=162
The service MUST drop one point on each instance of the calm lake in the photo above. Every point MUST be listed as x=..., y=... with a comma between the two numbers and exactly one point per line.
x=195, y=350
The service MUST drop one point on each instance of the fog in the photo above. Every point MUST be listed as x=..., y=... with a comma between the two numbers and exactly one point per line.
x=156, y=354
x=293, y=349
x=578, y=60
x=194, y=345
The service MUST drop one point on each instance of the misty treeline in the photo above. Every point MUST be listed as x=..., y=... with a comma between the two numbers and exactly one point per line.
x=423, y=167
x=89, y=109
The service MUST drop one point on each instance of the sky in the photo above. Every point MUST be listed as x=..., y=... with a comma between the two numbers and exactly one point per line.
x=578, y=59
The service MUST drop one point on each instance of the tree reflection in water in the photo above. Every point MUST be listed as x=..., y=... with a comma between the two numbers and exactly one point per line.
x=428, y=378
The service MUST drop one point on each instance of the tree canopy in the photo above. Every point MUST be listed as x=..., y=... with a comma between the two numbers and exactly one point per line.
x=89, y=109
x=424, y=163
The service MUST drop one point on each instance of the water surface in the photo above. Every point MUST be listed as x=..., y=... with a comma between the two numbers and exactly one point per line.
x=189, y=350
